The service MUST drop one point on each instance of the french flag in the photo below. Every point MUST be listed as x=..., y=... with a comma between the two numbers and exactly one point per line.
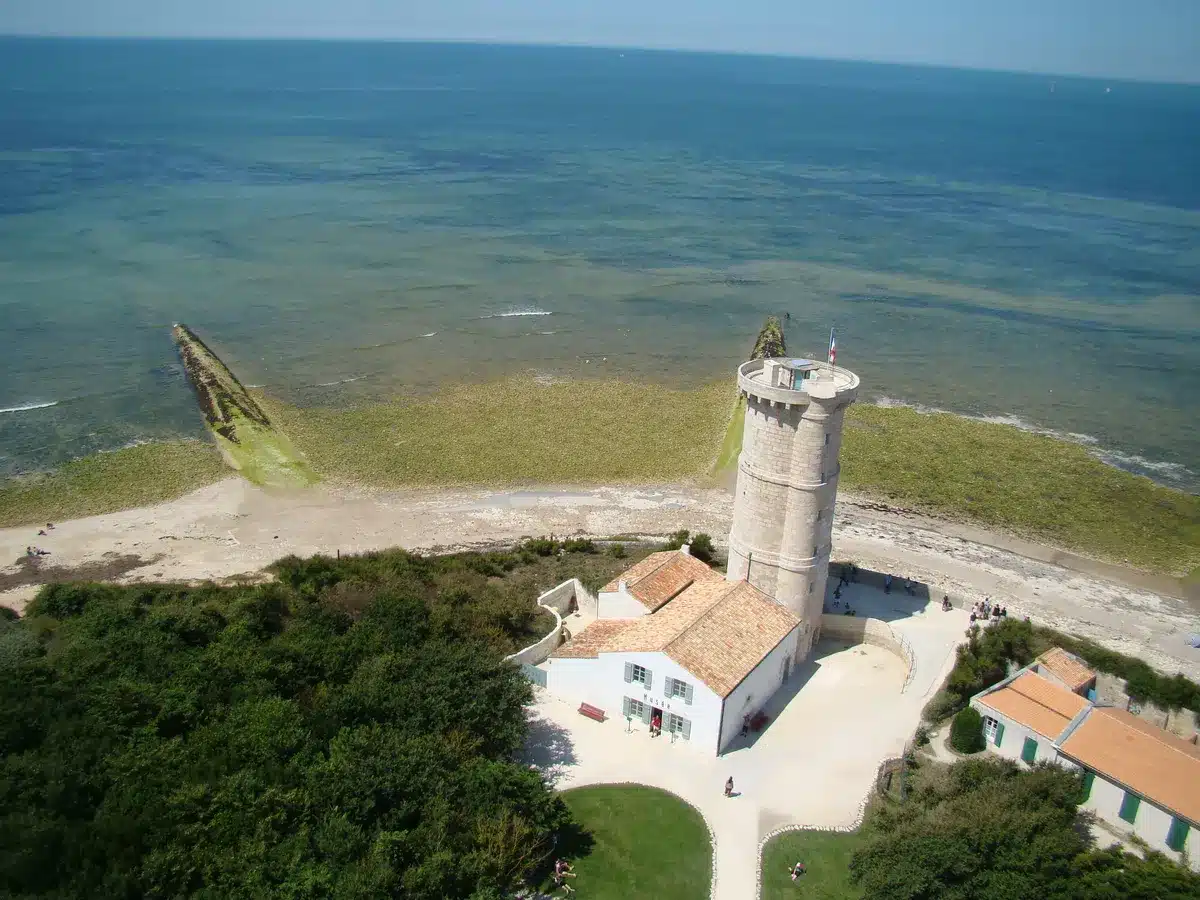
x=832, y=348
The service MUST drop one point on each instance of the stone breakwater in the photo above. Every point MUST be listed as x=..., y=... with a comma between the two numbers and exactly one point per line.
x=248, y=440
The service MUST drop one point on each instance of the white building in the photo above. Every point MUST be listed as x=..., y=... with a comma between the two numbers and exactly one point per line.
x=674, y=640
x=1140, y=779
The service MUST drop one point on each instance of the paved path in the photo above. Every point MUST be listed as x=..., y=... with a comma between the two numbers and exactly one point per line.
x=836, y=720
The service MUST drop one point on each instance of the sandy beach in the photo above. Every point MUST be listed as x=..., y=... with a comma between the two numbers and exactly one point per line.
x=232, y=528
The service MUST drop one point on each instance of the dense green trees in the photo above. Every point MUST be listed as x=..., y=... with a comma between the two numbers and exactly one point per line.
x=987, y=830
x=966, y=731
x=347, y=731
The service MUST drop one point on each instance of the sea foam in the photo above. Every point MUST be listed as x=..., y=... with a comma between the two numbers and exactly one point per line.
x=28, y=406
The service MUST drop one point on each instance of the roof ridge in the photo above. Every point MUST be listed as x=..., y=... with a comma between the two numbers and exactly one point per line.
x=733, y=586
x=664, y=562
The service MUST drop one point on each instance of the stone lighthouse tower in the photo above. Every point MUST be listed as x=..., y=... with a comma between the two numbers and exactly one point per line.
x=787, y=482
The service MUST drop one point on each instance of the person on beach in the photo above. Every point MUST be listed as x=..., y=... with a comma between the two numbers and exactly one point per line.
x=946, y=605
x=887, y=584
x=729, y=787
x=797, y=870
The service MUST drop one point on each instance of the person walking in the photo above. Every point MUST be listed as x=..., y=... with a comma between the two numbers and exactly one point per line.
x=729, y=787
x=797, y=870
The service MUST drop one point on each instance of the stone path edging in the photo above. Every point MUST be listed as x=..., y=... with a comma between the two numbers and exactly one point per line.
x=855, y=824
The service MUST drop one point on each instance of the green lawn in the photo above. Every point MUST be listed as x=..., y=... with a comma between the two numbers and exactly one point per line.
x=645, y=843
x=827, y=856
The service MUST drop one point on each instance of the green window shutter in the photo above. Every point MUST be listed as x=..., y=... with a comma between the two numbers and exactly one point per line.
x=1178, y=835
x=624, y=706
x=1129, y=807
x=687, y=694
x=1088, y=778
x=628, y=672
x=687, y=729
x=668, y=687
x=646, y=713
x=999, y=733
x=649, y=679
x=1029, y=750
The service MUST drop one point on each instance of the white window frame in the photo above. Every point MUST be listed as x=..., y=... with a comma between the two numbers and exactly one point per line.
x=989, y=729
x=638, y=675
x=675, y=724
x=637, y=708
x=676, y=688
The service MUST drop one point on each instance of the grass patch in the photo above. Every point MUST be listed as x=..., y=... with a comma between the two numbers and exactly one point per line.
x=107, y=482
x=731, y=444
x=645, y=843
x=1027, y=484
x=827, y=856
x=516, y=431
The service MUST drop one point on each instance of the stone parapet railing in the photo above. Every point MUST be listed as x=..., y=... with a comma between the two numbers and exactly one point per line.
x=558, y=601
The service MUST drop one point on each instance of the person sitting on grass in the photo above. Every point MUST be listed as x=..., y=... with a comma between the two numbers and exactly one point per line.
x=797, y=870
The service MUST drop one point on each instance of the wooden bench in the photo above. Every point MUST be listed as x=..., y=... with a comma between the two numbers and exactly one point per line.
x=592, y=712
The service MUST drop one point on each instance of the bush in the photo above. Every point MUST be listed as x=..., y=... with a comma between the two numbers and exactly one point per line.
x=579, y=545
x=617, y=551
x=942, y=706
x=702, y=548
x=921, y=736
x=541, y=546
x=677, y=540
x=966, y=732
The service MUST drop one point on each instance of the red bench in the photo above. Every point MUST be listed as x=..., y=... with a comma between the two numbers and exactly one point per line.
x=592, y=712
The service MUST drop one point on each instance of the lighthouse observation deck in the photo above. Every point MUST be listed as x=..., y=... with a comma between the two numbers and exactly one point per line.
x=795, y=381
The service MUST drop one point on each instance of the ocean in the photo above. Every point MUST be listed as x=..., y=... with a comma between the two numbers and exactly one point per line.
x=345, y=221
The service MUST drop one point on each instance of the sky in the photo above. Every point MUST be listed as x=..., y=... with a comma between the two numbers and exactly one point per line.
x=1157, y=40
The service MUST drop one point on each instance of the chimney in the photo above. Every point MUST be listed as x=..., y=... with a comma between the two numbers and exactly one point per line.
x=686, y=549
x=622, y=585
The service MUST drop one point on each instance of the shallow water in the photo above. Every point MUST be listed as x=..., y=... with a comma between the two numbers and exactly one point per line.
x=342, y=221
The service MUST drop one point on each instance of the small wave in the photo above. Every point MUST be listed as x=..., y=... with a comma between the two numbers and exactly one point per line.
x=339, y=381
x=523, y=311
x=28, y=406
x=545, y=332
x=1129, y=462
x=431, y=334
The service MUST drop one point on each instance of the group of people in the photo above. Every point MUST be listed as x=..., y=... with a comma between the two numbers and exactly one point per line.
x=38, y=551
x=909, y=587
x=562, y=871
x=985, y=609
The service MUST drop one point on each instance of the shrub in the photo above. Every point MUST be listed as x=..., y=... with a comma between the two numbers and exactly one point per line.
x=943, y=705
x=579, y=545
x=921, y=736
x=966, y=732
x=541, y=546
x=617, y=551
x=677, y=540
x=702, y=548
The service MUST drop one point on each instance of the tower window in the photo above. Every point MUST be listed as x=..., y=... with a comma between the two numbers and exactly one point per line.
x=827, y=439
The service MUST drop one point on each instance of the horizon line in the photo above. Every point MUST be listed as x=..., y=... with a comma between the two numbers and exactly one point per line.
x=569, y=45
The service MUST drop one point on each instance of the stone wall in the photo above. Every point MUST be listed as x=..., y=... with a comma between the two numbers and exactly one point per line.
x=1110, y=691
x=864, y=630
x=558, y=600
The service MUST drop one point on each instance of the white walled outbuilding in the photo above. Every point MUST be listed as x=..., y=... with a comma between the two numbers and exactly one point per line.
x=619, y=604
x=758, y=687
x=1013, y=736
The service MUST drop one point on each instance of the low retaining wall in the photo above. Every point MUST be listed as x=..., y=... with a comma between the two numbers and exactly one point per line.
x=864, y=630
x=558, y=601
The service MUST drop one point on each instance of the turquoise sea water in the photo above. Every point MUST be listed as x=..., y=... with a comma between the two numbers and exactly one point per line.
x=343, y=221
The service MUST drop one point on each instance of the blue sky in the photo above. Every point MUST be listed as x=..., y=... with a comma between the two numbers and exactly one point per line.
x=1145, y=39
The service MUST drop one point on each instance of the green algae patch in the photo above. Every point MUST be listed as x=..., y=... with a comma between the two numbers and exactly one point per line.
x=770, y=343
x=731, y=444
x=1031, y=485
x=516, y=431
x=108, y=482
x=248, y=440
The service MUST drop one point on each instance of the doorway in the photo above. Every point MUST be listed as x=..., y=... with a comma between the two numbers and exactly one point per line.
x=656, y=721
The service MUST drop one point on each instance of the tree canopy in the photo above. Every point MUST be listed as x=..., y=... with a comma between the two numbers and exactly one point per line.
x=991, y=831
x=347, y=731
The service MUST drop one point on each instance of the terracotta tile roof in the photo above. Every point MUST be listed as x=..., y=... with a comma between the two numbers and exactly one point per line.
x=1036, y=703
x=661, y=576
x=1066, y=667
x=1148, y=760
x=716, y=629
x=725, y=644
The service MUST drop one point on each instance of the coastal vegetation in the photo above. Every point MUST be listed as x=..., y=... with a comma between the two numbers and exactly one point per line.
x=980, y=829
x=106, y=482
x=988, y=656
x=641, y=842
x=345, y=731
x=247, y=439
x=516, y=431
x=1032, y=485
